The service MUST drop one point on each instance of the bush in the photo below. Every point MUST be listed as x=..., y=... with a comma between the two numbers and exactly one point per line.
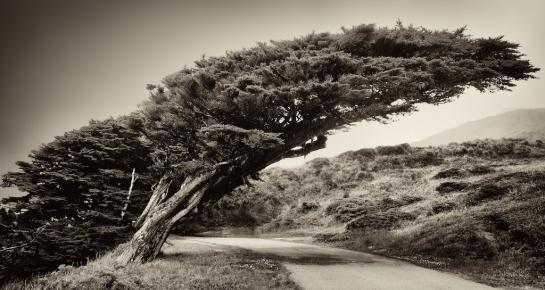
x=308, y=206
x=485, y=192
x=449, y=173
x=480, y=170
x=422, y=159
x=379, y=220
x=447, y=187
x=365, y=153
x=442, y=207
x=454, y=240
x=343, y=210
x=394, y=150
x=410, y=199
x=317, y=165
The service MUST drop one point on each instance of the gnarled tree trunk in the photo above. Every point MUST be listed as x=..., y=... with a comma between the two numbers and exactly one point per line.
x=164, y=210
x=147, y=241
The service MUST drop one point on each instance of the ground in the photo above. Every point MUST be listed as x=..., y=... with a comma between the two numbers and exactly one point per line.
x=190, y=269
x=251, y=263
x=473, y=208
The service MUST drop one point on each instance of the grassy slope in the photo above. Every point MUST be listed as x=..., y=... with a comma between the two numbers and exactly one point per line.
x=476, y=208
x=192, y=271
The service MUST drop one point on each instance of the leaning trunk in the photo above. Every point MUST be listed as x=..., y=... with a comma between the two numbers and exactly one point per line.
x=161, y=217
x=160, y=191
x=163, y=212
x=148, y=240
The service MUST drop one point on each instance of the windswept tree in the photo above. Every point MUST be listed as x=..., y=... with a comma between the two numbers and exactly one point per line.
x=218, y=124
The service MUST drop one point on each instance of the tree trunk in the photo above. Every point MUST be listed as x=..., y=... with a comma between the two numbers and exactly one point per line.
x=148, y=240
x=164, y=210
x=159, y=194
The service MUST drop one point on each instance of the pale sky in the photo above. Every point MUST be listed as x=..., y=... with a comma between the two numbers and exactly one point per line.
x=65, y=62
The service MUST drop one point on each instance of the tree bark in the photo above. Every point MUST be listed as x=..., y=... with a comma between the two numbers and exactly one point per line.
x=159, y=194
x=148, y=240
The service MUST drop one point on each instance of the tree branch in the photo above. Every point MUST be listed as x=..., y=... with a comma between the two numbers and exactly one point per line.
x=306, y=148
x=126, y=206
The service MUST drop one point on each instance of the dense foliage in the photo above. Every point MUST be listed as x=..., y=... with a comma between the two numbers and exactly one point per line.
x=77, y=186
x=283, y=94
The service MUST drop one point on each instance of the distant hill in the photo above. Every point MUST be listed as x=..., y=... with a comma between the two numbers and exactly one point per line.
x=525, y=123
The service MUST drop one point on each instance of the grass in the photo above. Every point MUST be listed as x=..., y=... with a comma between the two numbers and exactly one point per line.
x=474, y=208
x=492, y=230
x=242, y=270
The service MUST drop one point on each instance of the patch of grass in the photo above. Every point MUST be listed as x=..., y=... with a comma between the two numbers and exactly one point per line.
x=485, y=192
x=480, y=170
x=440, y=207
x=379, y=220
x=242, y=270
x=449, y=173
x=451, y=186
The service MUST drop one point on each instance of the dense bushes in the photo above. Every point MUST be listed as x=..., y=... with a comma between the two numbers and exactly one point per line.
x=440, y=207
x=503, y=148
x=449, y=173
x=485, y=192
x=451, y=186
x=394, y=150
x=480, y=170
x=323, y=177
x=379, y=220
x=352, y=209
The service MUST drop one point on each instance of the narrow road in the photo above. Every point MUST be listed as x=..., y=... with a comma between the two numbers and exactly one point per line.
x=318, y=267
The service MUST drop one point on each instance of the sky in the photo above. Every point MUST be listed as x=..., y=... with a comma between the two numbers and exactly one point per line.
x=63, y=63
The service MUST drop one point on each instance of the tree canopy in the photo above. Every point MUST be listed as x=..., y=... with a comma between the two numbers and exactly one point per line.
x=284, y=93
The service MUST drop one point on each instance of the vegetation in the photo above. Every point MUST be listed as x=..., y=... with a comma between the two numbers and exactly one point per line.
x=191, y=271
x=490, y=229
x=214, y=126
x=77, y=187
x=211, y=128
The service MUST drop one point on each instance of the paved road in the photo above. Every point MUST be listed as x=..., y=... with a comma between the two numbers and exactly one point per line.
x=318, y=267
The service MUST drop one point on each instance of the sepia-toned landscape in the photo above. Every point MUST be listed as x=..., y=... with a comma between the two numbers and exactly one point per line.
x=366, y=156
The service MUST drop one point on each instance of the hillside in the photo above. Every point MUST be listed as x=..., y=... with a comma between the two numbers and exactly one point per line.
x=527, y=123
x=473, y=208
